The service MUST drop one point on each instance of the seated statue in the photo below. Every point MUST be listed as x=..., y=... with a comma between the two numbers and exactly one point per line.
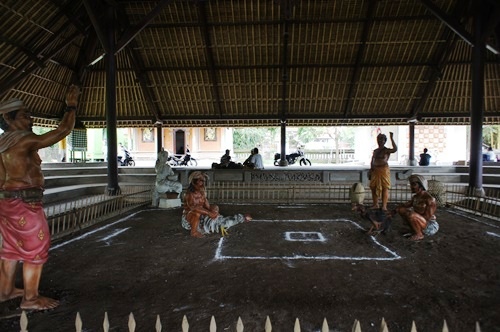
x=199, y=216
x=166, y=179
x=418, y=212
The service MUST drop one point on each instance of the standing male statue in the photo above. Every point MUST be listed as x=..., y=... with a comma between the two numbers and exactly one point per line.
x=23, y=225
x=380, y=174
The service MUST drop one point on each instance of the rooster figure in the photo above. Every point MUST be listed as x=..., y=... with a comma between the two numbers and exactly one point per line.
x=380, y=220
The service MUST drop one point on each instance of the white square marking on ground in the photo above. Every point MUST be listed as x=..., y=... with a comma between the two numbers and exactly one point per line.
x=318, y=239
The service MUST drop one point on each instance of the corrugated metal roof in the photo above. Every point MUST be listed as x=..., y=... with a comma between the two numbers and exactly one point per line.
x=250, y=62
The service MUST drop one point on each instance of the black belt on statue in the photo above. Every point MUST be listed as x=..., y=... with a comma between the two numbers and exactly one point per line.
x=28, y=195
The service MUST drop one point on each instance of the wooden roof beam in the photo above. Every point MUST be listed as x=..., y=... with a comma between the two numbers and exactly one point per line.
x=88, y=47
x=493, y=23
x=402, y=18
x=441, y=57
x=93, y=7
x=435, y=73
x=23, y=49
x=72, y=19
x=20, y=71
x=130, y=33
x=290, y=118
x=300, y=66
x=210, y=56
x=138, y=65
x=286, y=9
x=20, y=74
x=497, y=34
x=356, y=73
x=455, y=26
x=143, y=80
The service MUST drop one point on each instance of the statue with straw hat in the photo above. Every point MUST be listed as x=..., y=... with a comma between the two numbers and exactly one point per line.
x=201, y=217
x=21, y=193
x=418, y=213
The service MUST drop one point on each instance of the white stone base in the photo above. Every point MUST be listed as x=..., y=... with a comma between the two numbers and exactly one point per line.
x=168, y=203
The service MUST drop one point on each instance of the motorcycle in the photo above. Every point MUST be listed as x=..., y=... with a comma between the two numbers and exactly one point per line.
x=180, y=160
x=127, y=161
x=293, y=158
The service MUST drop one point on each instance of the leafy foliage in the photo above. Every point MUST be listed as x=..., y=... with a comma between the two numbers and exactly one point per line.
x=491, y=136
x=248, y=138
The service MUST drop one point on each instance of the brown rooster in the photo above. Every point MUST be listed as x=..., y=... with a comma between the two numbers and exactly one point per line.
x=380, y=220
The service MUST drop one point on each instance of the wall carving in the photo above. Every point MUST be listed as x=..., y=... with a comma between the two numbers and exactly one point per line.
x=287, y=176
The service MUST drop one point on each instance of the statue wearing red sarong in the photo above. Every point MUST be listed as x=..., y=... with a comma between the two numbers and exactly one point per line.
x=23, y=224
x=25, y=232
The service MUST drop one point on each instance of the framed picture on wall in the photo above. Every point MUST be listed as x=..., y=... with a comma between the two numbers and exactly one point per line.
x=147, y=135
x=210, y=134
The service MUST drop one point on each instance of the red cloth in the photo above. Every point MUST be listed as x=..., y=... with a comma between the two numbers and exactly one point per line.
x=25, y=231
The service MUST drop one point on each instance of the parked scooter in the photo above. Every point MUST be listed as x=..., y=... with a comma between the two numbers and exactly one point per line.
x=127, y=161
x=181, y=160
x=293, y=158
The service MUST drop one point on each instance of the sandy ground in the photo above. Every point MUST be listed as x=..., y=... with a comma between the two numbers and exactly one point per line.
x=308, y=262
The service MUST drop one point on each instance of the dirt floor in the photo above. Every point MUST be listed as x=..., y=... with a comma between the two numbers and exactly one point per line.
x=306, y=262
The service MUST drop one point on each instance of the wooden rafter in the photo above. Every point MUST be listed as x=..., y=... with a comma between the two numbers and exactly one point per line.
x=210, y=56
x=138, y=66
x=356, y=72
x=455, y=26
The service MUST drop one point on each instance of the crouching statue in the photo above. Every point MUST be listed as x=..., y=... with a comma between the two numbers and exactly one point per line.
x=166, y=180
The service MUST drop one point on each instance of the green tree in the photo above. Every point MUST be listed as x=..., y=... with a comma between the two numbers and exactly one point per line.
x=491, y=136
x=249, y=138
x=307, y=134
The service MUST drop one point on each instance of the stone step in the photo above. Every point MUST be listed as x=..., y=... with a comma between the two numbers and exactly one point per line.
x=74, y=179
x=66, y=171
x=72, y=192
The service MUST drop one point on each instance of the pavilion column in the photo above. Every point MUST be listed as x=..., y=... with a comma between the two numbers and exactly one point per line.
x=283, y=161
x=285, y=16
x=411, y=152
x=111, y=118
x=477, y=104
x=159, y=137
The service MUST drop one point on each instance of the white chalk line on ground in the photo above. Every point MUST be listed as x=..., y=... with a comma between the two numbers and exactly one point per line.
x=471, y=218
x=395, y=256
x=118, y=232
x=83, y=236
x=493, y=234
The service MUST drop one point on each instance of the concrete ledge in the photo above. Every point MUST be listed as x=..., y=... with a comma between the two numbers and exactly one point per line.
x=168, y=203
x=73, y=165
x=69, y=183
x=68, y=193
x=74, y=179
